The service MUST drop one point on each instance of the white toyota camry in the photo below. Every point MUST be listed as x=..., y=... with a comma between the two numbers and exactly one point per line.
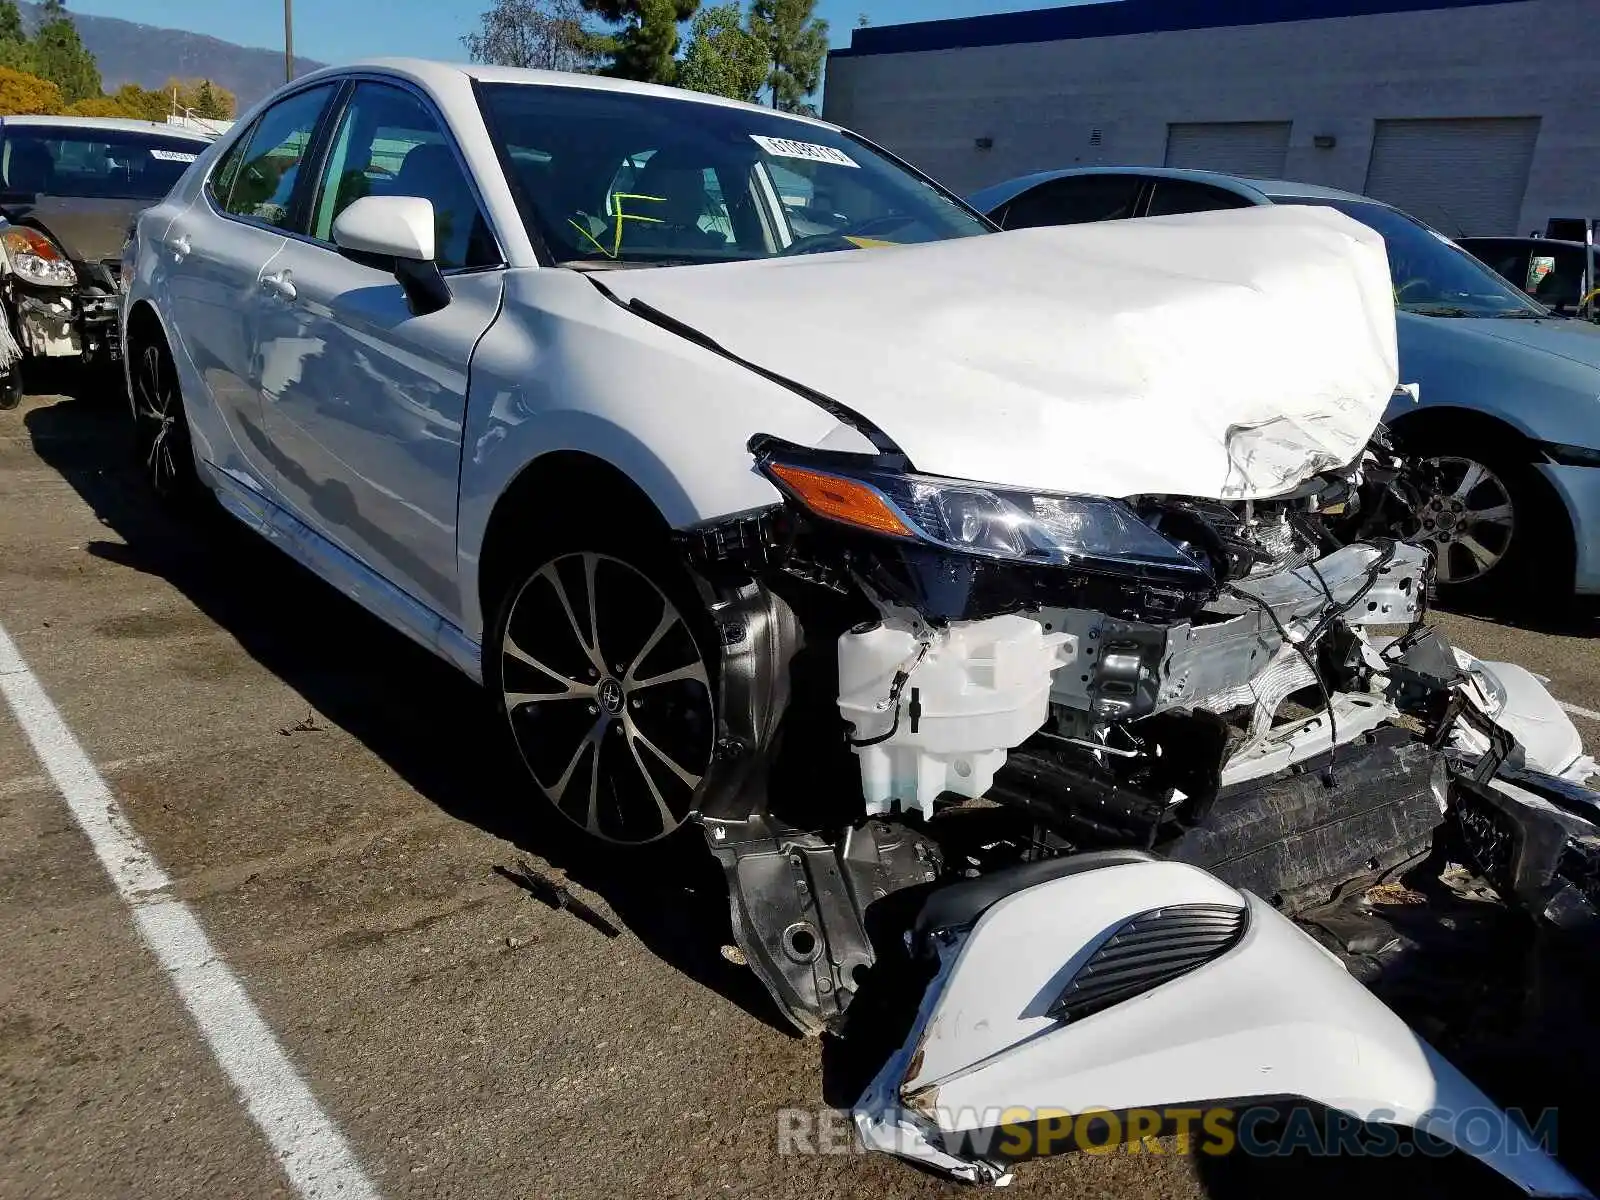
x=773, y=494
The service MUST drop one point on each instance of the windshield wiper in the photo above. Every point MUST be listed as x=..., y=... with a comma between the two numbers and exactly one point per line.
x=1522, y=314
x=620, y=264
x=1441, y=310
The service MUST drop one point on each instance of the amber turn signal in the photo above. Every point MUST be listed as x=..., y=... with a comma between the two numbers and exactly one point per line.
x=19, y=239
x=844, y=500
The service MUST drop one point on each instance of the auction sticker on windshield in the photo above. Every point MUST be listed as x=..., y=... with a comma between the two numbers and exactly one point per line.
x=810, y=151
x=173, y=156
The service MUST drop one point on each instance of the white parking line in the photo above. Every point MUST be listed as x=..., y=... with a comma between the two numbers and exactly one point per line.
x=312, y=1151
x=1588, y=714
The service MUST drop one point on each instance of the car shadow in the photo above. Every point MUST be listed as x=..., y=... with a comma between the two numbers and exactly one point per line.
x=435, y=728
x=1573, y=616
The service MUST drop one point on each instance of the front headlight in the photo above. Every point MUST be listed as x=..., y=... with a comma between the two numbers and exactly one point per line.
x=35, y=259
x=1047, y=529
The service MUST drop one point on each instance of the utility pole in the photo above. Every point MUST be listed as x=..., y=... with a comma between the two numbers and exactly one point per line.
x=288, y=40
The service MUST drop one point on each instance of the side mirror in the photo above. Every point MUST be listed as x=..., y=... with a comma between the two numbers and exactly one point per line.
x=396, y=234
x=398, y=227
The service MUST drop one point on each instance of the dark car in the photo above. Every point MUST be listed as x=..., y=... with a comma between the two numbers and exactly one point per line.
x=1555, y=273
x=72, y=186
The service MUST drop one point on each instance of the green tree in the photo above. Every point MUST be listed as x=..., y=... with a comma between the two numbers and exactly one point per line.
x=209, y=102
x=18, y=56
x=59, y=54
x=643, y=43
x=724, y=58
x=11, y=29
x=15, y=51
x=797, y=43
x=545, y=34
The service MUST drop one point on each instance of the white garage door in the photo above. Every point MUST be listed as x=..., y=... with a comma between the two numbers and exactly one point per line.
x=1255, y=148
x=1465, y=176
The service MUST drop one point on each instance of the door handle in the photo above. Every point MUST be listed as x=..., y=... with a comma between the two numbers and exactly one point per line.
x=180, y=247
x=281, y=284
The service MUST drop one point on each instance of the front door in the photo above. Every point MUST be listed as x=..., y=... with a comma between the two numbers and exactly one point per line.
x=364, y=401
x=214, y=254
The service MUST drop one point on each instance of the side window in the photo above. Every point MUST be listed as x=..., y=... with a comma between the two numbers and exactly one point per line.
x=220, y=185
x=390, y=144
x=264, y=182
x=1181, y=196
x=1075, y=201
x=1555, y=277
x=1515, y=264
x=1504, y=257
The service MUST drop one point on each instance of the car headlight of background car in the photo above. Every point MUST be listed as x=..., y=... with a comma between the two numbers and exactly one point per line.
x=34, y=258
x=1038, y=528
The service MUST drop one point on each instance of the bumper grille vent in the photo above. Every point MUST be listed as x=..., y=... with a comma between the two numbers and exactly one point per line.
x=1153, y=948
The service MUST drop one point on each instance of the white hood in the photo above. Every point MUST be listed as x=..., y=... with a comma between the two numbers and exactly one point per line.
x=1227, y=354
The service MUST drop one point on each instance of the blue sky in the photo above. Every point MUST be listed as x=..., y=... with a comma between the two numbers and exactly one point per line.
x=340, y=30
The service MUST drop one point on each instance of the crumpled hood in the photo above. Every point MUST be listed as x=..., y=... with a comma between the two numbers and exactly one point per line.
x=88, y=229
x=1225, y=355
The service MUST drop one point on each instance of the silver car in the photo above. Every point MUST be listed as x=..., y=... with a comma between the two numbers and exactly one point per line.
x=1507, y=414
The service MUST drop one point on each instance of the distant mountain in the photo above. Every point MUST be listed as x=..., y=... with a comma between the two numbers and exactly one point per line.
x=148, y=55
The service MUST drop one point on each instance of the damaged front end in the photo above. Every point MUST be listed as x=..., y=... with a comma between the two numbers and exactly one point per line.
x=56, y=305
x=1099, y=754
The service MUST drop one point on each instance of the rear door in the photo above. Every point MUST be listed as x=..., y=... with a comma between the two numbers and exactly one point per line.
x=217, y=250
x=364, y=400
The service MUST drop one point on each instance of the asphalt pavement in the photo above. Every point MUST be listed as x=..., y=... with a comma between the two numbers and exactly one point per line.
x=335, y=808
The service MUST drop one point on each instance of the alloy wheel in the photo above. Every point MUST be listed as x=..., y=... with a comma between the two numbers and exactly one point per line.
x=1467, y=518
x=159, y=423
x=608, y=697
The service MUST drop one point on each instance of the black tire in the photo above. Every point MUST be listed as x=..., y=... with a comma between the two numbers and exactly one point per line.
x=1496, y=527
x=617, y=728
x=160, y=425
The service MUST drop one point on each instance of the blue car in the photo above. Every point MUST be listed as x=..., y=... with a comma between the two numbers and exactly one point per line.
x=1508, y=423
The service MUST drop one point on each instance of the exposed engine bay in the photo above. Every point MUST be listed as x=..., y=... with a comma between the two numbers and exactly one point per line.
x=1238, y=701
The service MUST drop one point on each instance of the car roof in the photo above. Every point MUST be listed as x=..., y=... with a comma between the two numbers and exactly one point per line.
x=437, y=76
x=119, y=124
x=1260, y=191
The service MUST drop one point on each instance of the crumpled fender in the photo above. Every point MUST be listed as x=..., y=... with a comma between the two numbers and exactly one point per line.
x=1265, y=1014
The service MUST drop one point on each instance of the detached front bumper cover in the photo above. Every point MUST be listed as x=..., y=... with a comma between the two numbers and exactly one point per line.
x=1268, y=1015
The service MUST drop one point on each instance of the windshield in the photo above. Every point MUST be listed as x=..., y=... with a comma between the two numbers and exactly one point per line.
x=102, y=163
x=620, y=178
x=1432, y=275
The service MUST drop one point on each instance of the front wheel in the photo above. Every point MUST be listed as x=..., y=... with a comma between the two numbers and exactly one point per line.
x=601, y=671
x=1494, y=525
x=160, y=426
